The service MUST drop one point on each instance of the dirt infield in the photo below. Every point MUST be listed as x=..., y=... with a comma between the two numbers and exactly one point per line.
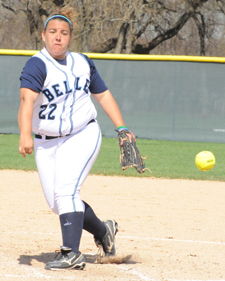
x=174, y=229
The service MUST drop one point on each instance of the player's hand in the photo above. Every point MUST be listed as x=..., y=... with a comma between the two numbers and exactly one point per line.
x=26, y=145
x=130, y=136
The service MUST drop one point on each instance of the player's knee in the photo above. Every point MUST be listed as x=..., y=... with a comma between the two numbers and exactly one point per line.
x=54, y=209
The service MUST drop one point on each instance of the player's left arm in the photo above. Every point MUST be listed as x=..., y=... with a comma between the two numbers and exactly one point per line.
x=110, y=107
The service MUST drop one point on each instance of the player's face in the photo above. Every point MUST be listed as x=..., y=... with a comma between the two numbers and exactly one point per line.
x=57, y=37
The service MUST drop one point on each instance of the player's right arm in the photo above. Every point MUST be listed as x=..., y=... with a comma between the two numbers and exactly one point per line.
x=25, y=114
x=32, y=79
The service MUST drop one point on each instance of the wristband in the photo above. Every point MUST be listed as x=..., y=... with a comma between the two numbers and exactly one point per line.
x=120, y=128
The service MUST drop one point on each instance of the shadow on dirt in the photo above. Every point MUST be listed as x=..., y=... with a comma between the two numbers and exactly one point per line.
x=46, y=257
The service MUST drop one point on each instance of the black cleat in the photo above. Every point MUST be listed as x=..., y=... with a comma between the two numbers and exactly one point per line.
x=108, y=242
x=67, y=259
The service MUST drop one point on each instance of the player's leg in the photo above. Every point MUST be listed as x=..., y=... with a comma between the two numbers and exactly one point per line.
x=104, y=232
x=45, y=152
x=85, y=146
x=92, y=223
x=70, y=256
x=75, y=157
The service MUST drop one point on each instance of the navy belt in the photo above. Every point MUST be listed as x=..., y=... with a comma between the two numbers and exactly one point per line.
x=55, y=137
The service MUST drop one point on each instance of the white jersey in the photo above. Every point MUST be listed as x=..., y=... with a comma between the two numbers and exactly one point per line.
x=64, y=105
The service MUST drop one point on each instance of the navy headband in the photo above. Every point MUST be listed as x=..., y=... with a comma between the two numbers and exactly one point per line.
x=58, y=16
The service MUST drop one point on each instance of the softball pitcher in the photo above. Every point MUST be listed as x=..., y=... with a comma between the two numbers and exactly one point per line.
x=55, y=94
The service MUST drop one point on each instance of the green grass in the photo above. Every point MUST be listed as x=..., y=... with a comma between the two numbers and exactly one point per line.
x=166, y=159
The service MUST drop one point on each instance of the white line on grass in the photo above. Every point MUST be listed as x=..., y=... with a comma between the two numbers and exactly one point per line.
x=127, y=237
x=172, y=240
x=195, y=280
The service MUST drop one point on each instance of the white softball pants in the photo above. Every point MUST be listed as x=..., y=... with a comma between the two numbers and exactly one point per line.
x=63, y=165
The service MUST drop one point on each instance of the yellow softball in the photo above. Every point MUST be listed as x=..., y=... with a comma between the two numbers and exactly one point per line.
x=205, y=160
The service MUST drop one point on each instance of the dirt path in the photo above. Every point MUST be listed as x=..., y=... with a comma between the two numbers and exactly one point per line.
x=174, y=229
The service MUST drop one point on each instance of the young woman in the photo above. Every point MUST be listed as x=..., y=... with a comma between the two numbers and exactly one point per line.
x=55, y=104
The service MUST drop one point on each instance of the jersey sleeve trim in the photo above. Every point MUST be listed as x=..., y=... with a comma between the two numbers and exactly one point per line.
x=97, y=85
x=33, y=74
